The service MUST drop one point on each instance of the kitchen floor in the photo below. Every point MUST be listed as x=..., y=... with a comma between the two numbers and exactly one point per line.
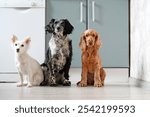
x=117, y=87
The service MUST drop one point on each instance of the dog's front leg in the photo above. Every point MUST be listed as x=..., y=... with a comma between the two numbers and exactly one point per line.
x=54, y=71
x=30, y=80
x=83, y=82
x=97, y=80
x=52, y=77
x=21, y=80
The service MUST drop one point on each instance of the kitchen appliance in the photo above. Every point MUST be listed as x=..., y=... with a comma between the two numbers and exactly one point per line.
x=21, y=18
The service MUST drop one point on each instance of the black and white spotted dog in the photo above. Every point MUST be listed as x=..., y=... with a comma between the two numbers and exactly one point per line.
x=59, y=54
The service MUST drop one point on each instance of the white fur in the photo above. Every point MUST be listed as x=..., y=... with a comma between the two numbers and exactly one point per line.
x=52, y=46
x=27, y=66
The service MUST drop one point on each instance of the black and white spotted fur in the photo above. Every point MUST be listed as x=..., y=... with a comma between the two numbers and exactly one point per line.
x=59, y=54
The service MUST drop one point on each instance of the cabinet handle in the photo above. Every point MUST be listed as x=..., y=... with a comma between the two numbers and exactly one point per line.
x=81, y=11
x=93, y=11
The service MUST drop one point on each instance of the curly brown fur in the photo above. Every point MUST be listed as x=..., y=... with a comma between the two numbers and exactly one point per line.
x=92, y=71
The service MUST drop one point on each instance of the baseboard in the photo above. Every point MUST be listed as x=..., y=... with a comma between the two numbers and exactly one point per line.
x=9, y=78
x=139, y=83
x=113, y=75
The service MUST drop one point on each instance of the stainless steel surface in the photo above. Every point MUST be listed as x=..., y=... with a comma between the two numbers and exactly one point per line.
x=93, y=11
x=81, y=12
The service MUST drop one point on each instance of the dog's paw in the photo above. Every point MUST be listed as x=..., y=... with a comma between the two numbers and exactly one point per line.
x=24, y=84
x=98, y=84
x=66, y=83
x=19, y=84
x=52, y=81
x=102, y=83
x=29, y=85
x=82, y=84
x=53, y=84
x=44, y=83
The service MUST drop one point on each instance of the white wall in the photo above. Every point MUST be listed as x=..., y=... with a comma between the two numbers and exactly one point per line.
x=140, y=39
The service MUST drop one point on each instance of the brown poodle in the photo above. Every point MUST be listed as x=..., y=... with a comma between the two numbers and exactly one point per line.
x=92, y=71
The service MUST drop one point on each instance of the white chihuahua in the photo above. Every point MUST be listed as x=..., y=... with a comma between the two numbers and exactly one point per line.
x=26, y=65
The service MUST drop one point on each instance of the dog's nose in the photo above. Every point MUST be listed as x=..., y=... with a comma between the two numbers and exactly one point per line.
x=90, y=43
x=58, y=28
x=17, y=50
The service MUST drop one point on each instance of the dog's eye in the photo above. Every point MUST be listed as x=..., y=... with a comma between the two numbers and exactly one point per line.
x=56, y=22
x=22, y=45
x=87, y=35
x=93, y=35
x=15, y=44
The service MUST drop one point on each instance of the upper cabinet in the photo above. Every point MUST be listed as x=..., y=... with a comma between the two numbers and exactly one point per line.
x=109, y=17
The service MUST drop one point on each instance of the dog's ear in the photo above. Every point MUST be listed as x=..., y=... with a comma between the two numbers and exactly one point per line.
x=97, y=41
x=50, y=27
x=82, y=43
x=13, y=39
x=68, y=27
x=27, y=40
